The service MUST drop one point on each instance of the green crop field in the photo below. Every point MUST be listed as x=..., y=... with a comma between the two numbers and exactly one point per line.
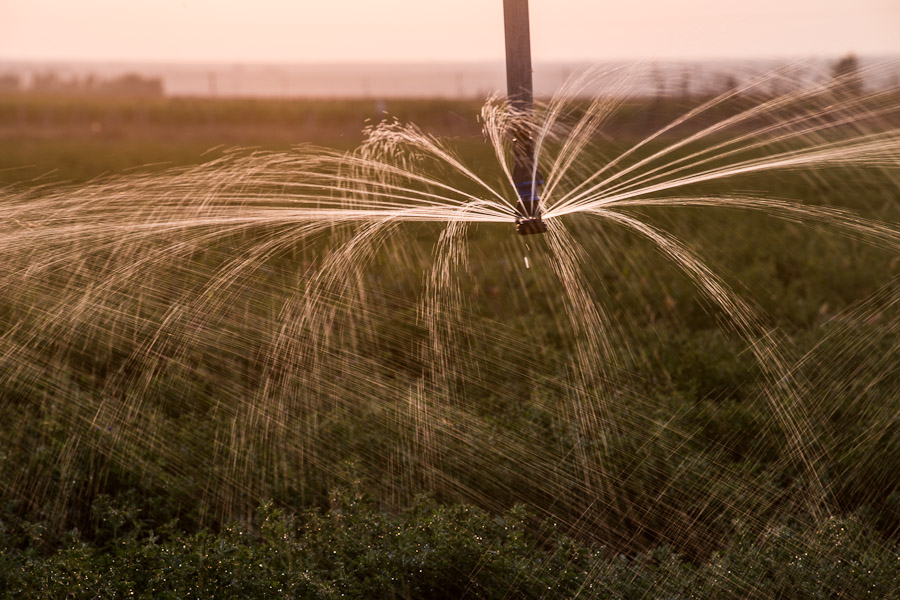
x=168, y=435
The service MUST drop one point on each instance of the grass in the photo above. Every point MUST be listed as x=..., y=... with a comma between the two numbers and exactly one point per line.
x=707, y=499
x=79, y=138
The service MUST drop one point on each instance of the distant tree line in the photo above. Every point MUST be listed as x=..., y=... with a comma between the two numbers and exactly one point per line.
x=127, y=85
x=846, y=78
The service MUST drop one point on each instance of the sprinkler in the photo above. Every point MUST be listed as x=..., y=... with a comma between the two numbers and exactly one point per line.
x=521, y=99
x=528, y=219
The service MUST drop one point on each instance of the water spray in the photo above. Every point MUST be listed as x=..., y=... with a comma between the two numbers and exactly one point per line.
x=520, y=92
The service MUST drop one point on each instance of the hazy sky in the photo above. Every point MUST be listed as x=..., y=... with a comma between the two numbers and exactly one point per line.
x=433, y=30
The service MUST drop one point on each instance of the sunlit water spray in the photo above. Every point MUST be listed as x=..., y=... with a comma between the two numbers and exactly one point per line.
x=267, y=325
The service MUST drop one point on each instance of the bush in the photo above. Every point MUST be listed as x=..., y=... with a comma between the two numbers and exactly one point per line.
x=429, y=551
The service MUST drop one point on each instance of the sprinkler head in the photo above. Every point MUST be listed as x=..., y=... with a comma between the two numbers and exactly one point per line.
x=529, y=221
x=530, y=226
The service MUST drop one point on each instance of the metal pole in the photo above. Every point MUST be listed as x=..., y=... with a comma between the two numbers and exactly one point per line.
x=521, y=99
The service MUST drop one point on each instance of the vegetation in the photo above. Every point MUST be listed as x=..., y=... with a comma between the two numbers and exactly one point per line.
x=77, y=138
x=846, y=76
x=427, y=551
x=703, y=496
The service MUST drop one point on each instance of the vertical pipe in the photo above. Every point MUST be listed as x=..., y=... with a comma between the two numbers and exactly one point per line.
x=518, y=55
x=520, y=92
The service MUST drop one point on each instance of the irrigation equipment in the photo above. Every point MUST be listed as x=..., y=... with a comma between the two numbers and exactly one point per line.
x=243, y=328
x=519, y=89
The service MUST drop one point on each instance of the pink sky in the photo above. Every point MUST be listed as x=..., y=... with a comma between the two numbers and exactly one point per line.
x=431, y=30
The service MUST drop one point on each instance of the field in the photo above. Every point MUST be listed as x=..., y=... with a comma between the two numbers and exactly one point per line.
x=271, y=411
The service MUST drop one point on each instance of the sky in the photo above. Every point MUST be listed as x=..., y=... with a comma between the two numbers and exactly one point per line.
x=311, y=31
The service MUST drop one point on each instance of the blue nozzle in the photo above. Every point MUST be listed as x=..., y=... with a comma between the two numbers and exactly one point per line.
x=529, y=221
